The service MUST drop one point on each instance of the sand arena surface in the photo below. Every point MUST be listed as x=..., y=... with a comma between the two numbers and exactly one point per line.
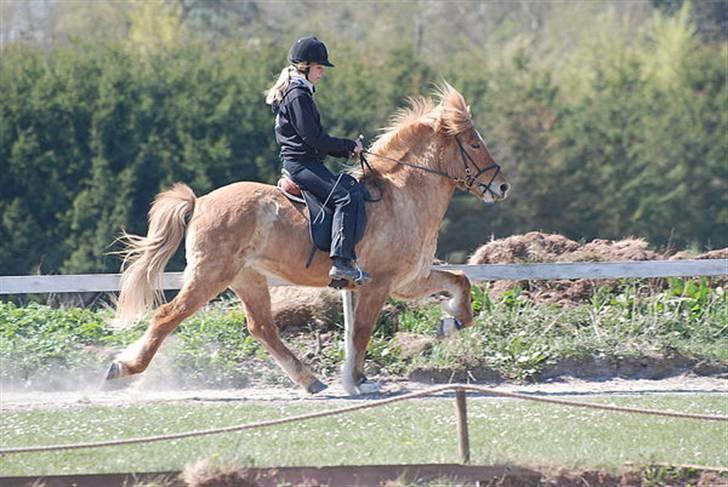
x=138, y=392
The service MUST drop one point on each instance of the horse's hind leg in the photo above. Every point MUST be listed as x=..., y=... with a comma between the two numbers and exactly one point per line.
x=192, y=297
x=252, y=288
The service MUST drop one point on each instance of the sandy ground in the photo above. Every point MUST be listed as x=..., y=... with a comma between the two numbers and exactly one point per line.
x=144, y=392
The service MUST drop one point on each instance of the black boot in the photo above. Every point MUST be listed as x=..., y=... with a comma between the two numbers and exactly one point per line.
x=344, y=269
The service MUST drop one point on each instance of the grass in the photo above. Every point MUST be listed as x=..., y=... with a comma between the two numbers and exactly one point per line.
x=512, y=335
x=501, y=431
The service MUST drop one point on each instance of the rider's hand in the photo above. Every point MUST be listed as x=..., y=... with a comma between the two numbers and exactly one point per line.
x=358, y=148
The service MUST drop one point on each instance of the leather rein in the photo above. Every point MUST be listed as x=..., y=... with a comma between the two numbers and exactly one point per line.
x=468, y=164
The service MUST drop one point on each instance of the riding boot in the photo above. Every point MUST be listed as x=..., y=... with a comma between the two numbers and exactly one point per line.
x=345, y=269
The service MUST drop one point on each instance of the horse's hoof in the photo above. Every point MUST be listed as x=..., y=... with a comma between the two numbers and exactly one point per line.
x=115, y=371
x=448, y=326
x=316, y=386
x=368, y=387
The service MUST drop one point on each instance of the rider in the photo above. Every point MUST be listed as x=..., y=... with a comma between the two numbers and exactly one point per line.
x=304, y=145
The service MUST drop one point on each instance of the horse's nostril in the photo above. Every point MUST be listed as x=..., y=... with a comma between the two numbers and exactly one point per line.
x=504, y=188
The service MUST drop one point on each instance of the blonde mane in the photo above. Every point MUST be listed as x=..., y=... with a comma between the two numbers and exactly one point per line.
x=451, y=116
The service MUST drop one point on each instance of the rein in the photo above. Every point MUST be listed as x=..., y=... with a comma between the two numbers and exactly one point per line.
x=467, y=182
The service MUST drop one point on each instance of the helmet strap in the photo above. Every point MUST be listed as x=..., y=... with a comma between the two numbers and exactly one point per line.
x=302, y=68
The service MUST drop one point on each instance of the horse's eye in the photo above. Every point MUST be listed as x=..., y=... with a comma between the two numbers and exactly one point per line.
x=475, y=146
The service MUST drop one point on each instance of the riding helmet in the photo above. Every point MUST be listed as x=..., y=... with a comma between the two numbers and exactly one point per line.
x=309, y=50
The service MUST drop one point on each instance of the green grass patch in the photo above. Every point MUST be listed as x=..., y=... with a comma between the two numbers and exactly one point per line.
x=512, y=335
x=501, y=430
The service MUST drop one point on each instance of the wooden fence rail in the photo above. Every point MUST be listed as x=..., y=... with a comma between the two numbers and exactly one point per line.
x=81, y=283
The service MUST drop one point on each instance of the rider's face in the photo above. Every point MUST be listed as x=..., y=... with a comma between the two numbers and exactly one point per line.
x=316, y=72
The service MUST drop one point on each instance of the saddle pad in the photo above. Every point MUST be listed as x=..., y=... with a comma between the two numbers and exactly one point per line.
x=321, y=218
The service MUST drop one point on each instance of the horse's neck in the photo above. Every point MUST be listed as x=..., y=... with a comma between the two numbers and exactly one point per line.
x=422, y=195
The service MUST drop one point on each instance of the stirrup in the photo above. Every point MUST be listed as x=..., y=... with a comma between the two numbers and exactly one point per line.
x=343, y=282
x=363, y=277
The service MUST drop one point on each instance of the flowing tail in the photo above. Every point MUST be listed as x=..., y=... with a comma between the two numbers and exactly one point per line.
x=146, y=257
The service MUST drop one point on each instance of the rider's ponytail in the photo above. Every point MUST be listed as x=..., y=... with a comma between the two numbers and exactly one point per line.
x=274, y=94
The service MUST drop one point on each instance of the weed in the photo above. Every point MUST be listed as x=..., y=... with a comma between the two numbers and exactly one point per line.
x=658, y=475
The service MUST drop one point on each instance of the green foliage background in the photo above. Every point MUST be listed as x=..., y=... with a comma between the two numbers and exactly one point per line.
x=623, y=133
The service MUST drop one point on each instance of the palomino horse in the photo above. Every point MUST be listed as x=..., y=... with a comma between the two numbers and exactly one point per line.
x=241, y=233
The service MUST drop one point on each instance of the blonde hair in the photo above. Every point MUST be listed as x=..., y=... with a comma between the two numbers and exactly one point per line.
x=274, y=94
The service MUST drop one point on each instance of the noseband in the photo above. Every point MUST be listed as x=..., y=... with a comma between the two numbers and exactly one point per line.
x=468, y=165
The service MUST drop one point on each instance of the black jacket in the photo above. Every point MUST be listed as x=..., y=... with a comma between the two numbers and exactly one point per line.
x=298, y=128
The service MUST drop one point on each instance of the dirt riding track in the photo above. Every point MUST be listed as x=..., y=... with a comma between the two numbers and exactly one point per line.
x=152, y=391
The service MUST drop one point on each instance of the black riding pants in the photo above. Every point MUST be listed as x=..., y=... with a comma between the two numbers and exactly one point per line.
x=317, y=179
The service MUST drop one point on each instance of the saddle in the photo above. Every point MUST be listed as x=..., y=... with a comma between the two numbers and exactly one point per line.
x=320, y=217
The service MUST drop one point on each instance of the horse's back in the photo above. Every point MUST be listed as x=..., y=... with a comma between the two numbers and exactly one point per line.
x=253, y=225
x=234, y=193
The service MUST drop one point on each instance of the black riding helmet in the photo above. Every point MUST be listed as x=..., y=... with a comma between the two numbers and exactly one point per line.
x=309, y=50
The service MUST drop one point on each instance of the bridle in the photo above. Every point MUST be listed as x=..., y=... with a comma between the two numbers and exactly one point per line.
x=471, y=178
x=469, y=166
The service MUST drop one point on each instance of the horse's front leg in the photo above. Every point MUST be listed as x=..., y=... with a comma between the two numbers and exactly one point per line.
x=357, y=333
x=456, y=284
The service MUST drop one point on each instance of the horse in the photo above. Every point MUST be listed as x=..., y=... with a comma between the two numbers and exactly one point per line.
x=239, y=234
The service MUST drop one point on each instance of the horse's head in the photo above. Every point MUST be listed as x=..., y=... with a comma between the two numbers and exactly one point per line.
x=465, y=155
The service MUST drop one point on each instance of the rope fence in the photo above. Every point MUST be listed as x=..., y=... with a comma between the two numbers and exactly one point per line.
x=459, y=389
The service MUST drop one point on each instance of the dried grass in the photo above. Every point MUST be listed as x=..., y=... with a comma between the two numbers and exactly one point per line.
x=296, y=308
x=206, y=473
x=543, y=247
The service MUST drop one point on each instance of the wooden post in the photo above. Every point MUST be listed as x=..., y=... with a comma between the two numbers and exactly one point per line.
x=462, y=416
